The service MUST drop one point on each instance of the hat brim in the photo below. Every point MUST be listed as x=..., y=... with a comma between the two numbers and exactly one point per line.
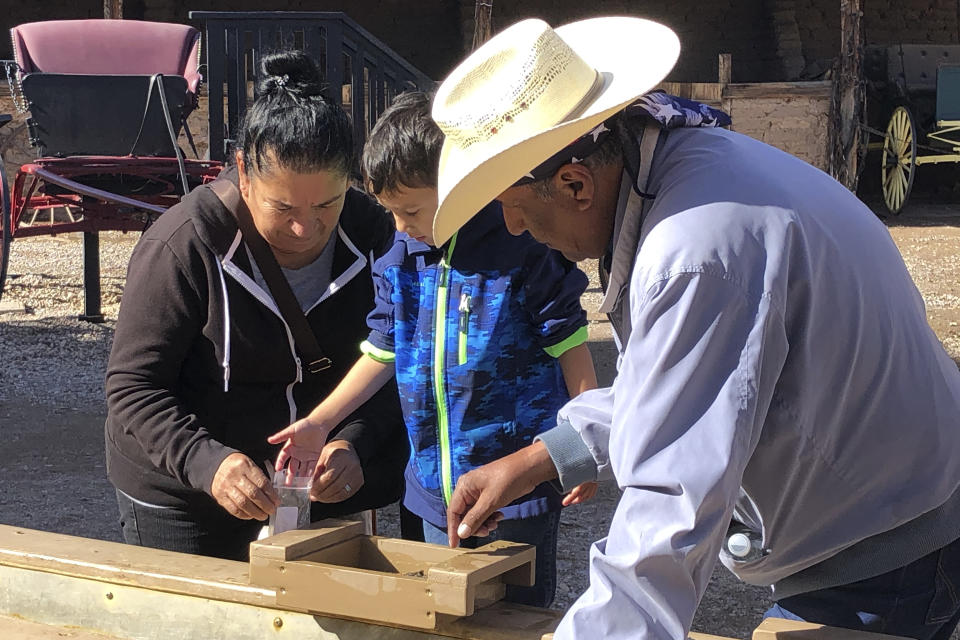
x=634, y=56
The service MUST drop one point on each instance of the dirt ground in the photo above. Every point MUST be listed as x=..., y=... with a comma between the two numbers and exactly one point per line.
x=51, y=407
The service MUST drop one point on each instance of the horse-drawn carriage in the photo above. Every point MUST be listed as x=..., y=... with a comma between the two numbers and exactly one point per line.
x=913, y=93
x=107, y=101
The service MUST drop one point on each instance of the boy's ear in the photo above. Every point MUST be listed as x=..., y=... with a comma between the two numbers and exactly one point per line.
x=576, y=182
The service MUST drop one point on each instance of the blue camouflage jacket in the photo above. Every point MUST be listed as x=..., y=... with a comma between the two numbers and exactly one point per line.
x=475, y=329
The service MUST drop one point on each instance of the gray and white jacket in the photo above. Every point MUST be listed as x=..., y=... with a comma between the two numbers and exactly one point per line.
x=776, y=367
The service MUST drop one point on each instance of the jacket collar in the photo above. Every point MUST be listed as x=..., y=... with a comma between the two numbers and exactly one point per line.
x=634, y=197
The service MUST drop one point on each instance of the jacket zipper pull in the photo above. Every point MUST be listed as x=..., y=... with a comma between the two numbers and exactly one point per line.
x=299, y=369
x=464, y=312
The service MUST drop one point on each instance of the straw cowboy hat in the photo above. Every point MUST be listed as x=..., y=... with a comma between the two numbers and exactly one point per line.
x=530, y=91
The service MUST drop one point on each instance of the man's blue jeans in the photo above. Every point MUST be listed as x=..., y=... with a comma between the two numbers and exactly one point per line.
x=920, y=600
x=540, y=531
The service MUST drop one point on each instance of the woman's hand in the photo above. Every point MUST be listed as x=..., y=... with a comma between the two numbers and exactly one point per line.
x=240, y=487
x=338, y=475
x=580, y=493
x=305, y=440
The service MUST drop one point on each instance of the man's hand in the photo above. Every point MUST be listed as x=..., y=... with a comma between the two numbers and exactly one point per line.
x=241, y=488
x=580, y=493
x=338, y=474
x=481, y=492
x=304, y=441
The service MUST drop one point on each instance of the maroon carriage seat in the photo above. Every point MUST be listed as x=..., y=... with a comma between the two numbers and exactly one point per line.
x=93, y=87
x=115, y=47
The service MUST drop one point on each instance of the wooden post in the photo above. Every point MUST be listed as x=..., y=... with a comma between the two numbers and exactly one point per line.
x=482, y=22
x=724, y=77
x=726, y=68
x=113, y=9
x=848, y=104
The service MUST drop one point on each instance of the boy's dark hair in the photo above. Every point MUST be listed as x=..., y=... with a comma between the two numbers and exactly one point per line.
x=403, y=148
x=293, y=121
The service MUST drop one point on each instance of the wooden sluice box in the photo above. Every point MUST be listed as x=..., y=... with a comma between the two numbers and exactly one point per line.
x=337, y=570
x=327, y=583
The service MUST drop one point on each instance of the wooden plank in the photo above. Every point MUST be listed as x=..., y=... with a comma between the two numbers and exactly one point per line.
x=298, y=543
x=725, y=68
x=145, y=614
x=781, y=629
x=479, y=565
x=777, y=89
x=352, y=593
x=693, y=635
x=12, y=306
x=130, y=565
x=702, y=91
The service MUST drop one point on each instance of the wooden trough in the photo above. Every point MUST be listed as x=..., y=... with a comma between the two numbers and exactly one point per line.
x=54, y=586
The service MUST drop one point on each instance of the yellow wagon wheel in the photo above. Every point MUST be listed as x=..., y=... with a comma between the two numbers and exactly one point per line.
x=899, y=159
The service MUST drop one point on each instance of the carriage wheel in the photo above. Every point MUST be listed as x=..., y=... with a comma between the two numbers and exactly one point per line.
x=899, y=159
x=6, y=218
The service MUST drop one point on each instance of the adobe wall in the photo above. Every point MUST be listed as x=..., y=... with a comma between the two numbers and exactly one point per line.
x=798, y=124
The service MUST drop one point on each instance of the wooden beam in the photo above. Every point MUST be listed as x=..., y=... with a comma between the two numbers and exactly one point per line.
x=848, y=106
x=714, y=92
x=782, y=629
x=482, y=22
x=777, y=89
x=113, y=9
x=725, y=68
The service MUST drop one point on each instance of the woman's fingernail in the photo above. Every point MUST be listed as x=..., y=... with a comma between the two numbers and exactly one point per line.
x=463, y=531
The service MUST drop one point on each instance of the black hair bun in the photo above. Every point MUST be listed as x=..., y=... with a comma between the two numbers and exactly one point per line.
x=292, y=71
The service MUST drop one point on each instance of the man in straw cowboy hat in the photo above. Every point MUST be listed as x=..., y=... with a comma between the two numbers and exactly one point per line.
x=780, y=399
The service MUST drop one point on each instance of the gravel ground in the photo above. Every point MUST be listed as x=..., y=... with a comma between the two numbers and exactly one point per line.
x=51, y=398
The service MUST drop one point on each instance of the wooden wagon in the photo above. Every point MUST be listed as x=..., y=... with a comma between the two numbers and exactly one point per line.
x=913, y=93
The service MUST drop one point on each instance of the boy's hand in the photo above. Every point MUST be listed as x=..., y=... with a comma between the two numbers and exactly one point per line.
x=305, y=440
x=580, y=493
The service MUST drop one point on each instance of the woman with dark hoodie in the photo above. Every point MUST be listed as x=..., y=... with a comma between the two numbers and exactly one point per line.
x=205, y=365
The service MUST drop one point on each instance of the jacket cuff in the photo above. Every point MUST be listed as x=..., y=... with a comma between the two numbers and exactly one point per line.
x=379, y=341
x=575, y=339
x=353, y=432
x=575, y=465
x=203, y=461
x=380, y=355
